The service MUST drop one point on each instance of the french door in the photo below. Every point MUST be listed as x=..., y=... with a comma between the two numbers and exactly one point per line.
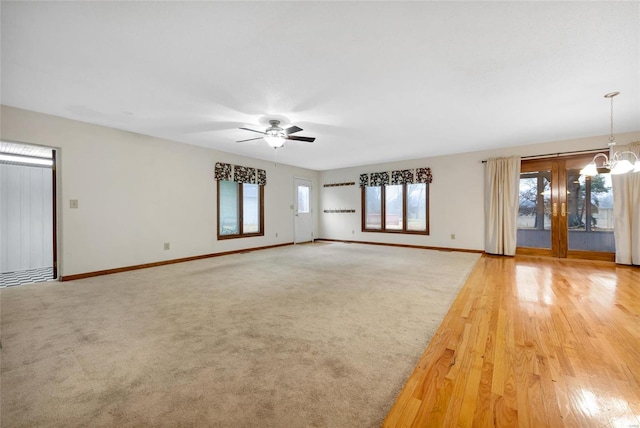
x=562, y=213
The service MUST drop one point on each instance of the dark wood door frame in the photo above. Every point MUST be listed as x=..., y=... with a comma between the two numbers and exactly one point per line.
x=558, y=197
x=559, y=239
x=559, y=230
x=54, y=207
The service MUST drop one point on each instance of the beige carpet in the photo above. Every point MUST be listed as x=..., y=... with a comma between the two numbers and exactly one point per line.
x=306, y=335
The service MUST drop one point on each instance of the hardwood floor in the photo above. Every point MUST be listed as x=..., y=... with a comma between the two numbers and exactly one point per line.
x=532, y=342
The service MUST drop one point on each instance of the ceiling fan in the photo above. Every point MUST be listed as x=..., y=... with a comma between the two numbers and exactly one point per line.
x=275, y=136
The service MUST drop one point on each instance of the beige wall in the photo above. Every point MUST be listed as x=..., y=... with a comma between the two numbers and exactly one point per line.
x=456, y=194
x=137, y=192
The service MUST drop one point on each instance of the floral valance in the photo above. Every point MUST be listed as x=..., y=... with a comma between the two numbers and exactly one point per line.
x=401, y=176
x=240, y=174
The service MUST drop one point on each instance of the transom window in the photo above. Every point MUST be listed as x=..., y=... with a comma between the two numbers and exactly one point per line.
x=398, y=208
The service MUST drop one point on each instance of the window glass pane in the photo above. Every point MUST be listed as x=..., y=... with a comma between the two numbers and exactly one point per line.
x=228, y=208
x=417, y=206
x=373, y=207
x=250, y=208
x=589, y=212
x=534, y=211
x=303, y=199
x=393, y=207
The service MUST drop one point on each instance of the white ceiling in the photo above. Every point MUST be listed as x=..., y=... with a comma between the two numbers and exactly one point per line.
x=372, y=81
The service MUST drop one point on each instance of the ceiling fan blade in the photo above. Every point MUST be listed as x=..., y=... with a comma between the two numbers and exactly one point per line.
x=252, y=130
x=292, y=130
x=250, y=139
x=305, y=139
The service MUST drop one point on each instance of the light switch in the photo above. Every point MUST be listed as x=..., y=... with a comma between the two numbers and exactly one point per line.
x=73, y=203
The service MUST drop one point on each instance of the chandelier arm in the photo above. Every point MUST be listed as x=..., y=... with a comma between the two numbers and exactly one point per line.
x=618, y=155
x=601, y=155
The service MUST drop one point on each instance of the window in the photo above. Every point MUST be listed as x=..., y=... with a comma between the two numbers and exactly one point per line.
x=240, y=210
x=400, y=208
x=303, y=200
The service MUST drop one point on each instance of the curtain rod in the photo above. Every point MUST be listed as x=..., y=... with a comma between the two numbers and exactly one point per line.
x=557, y=155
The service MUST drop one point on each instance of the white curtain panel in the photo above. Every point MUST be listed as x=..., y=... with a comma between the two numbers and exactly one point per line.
x=501, y=186
x=626, y=212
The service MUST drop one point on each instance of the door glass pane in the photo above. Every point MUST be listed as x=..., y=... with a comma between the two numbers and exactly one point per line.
x=534, y=212
x=417, y=206
x=303, y=200
x=250, y=208
x=228, y=208
x=373, y=207
x=393, y=207
x=589, y=212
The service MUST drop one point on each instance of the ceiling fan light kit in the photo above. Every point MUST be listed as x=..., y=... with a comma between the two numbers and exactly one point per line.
x=275, y=136
x=274, y=140
x=617, y=162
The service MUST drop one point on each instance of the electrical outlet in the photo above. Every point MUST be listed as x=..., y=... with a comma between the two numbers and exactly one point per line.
x=73, y=203
x=353, y=232
x=453, y=236
x=276, y=234
x=166, y=246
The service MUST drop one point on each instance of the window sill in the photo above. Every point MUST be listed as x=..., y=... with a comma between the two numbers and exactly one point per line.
x=247, y=235
x=402, y=232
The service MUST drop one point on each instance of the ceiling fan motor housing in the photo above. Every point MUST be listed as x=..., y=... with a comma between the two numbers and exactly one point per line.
x=274, y=129
x=275, y=135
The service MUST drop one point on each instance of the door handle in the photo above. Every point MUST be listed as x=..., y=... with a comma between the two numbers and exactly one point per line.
x=555, y=209
x=563, y=212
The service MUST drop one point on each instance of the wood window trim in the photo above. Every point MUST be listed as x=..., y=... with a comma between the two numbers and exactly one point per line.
x=240, y=214
x=383, y=213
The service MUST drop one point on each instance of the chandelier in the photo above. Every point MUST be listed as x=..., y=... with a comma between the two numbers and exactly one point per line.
x=616, y=162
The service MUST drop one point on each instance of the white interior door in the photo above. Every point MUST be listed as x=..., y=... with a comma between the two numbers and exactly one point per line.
x=302, y=210
x=26, y=218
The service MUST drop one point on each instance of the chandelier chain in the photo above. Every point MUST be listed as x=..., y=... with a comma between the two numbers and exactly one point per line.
x=611, y=130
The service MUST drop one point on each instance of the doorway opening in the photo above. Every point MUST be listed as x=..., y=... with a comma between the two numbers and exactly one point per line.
x=28, y=248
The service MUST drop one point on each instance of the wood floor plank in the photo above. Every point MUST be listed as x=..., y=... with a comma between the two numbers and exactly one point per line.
x=435, y=416
x=549, y=394
x=429, y=394
x=484, y=406
x=532, y=342
x=506, y=414
x=499, y=360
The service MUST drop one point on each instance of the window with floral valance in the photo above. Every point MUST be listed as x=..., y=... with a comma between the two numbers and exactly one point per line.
x=396, y=201
x=240, y=174
x=401, y=176
x=240, y=200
